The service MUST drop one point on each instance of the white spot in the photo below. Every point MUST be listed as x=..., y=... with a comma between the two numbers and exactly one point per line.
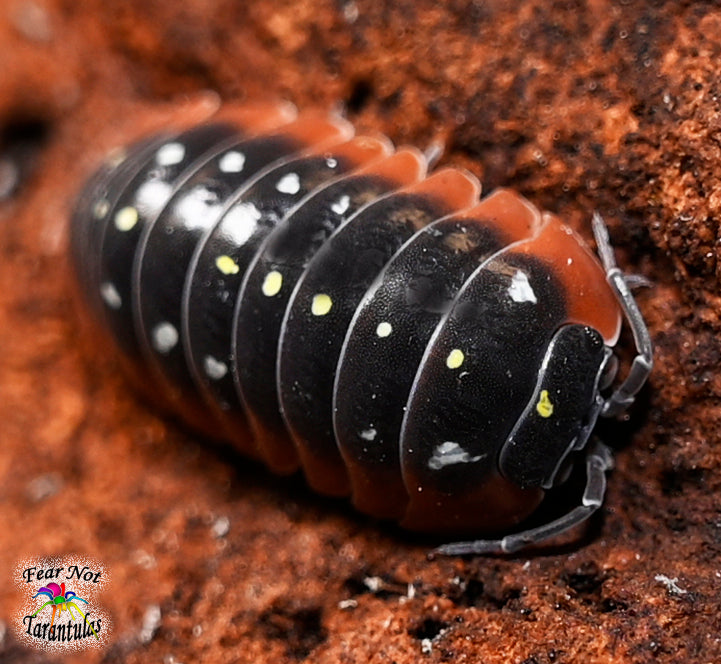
x=350, y=12
x=241, y=222
x=341, y=205
x=368, y=434
x=449, y=454
x=331, y=163
x=232, y=162
x=170, y=154
x=671, y=584
x=152, y=196
x=520, y=289
x=373, y=583
x=214, y=369
x=384, y=329
x=150, y=624
x=40, y=488
x=110, y=295
x=289, y=184
x=144, y=560
x=197, y=208
x=221, y=527
x=165, y=337
x=569, y=261
x=126, y=218
x=100, y=209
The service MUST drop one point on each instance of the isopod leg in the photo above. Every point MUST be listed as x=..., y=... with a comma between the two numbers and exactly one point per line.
x=624, y=394
x=598, y=461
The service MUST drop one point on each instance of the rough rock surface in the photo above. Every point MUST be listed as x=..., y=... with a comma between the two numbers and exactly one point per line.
x=581, y=105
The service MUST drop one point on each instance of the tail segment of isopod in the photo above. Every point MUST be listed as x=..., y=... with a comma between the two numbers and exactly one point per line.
x=391, y=327
x=270, y=281
x=122, y=202
x=97, y=198
x=325, y=300
x=136, y=204
x=93, y=211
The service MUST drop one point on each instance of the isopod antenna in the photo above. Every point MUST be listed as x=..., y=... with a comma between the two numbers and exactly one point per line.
x=598, y=460
x=624, y=395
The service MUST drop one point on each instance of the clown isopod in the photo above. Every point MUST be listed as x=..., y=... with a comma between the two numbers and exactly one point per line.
x=322, y=302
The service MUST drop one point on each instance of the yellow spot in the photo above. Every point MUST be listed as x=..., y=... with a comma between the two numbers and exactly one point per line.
x=544, y=407
x=384, y=329
x=272, y=283
x=126, y=218
x=226, y=265
x=455, y=358
x=321, y=304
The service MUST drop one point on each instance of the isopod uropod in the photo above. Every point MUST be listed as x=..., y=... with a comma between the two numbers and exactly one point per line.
x=321, y=302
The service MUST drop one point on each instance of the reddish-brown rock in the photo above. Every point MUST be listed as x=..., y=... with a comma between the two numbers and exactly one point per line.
x=580, y=105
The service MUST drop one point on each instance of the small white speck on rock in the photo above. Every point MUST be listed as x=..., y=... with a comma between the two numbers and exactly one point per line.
x=373, y=583
x=221, y=527
x=170, y=659
x=9, y=178
x=143, y=559
x=151, y=622
x=351, y=12
x=32, y=21
x=44, y=487
x=671, y=584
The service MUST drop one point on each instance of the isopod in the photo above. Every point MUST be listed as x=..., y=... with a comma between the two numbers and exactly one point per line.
x=322, y=302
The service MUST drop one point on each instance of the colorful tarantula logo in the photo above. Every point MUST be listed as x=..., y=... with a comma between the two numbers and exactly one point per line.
x=61, y=601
